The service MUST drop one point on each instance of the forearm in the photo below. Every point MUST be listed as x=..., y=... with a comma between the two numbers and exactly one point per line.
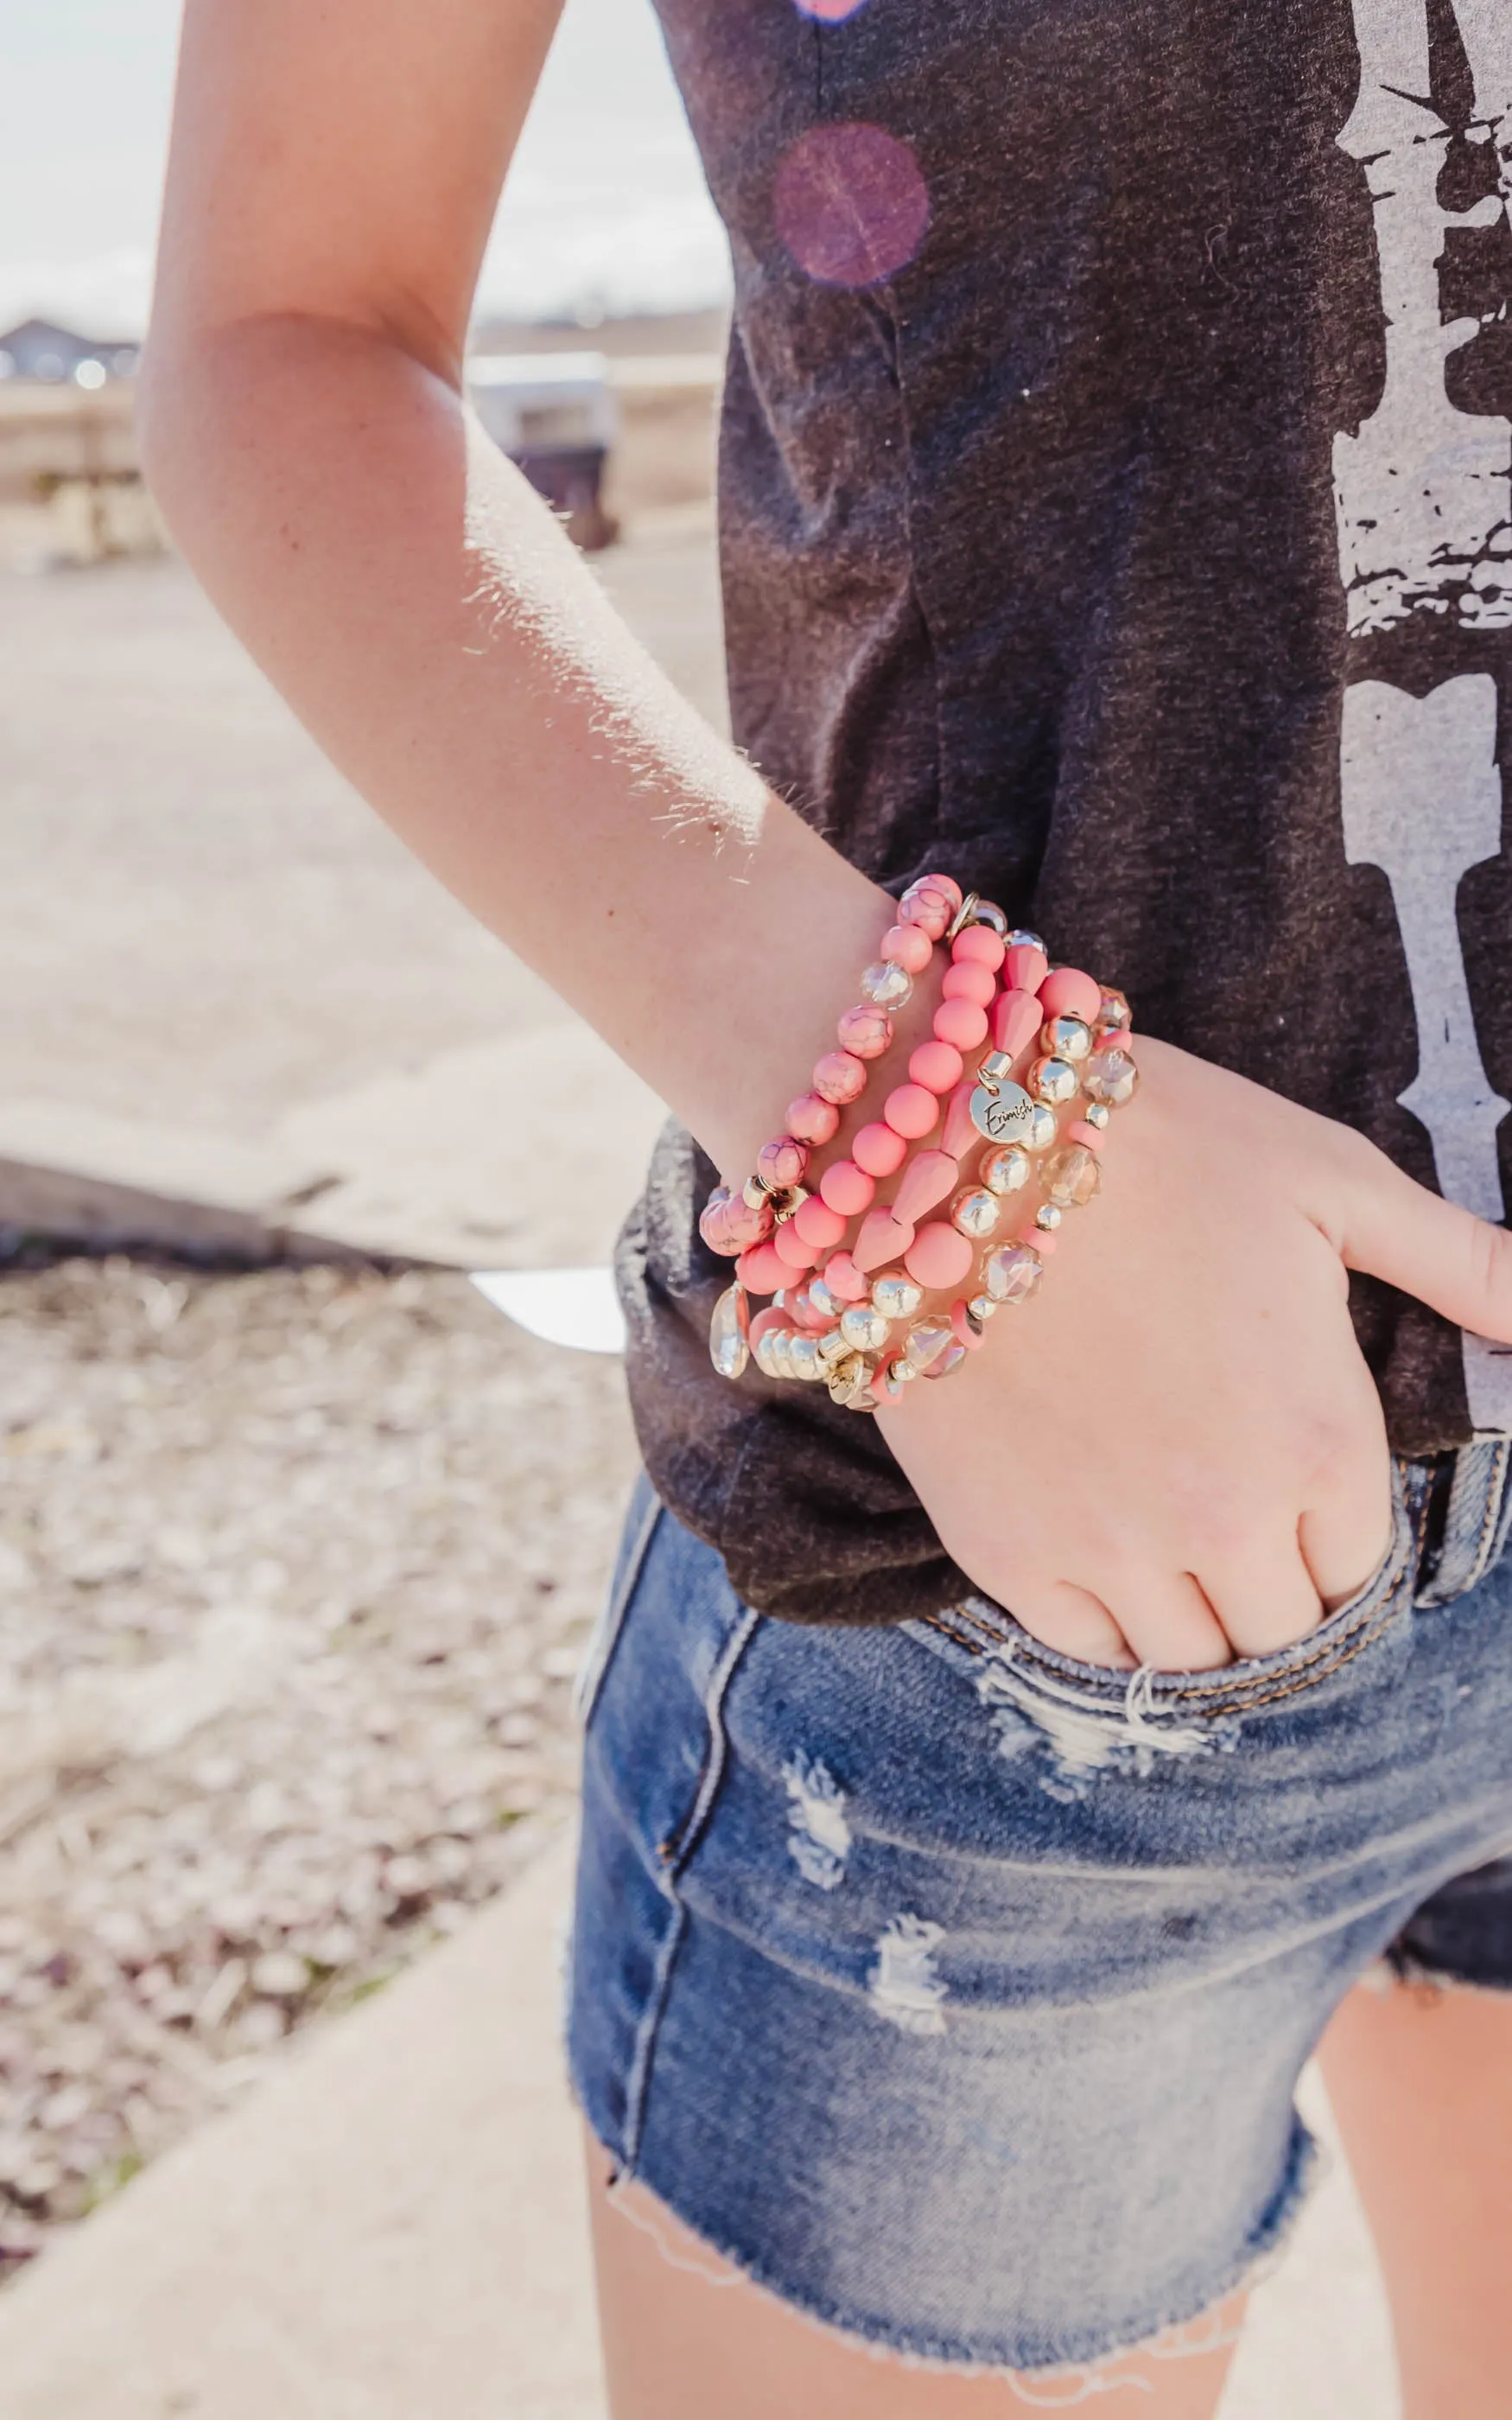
x=435, y=630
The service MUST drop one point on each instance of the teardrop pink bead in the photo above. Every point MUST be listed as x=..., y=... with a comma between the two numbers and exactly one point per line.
x=1078, y=1131
x=928, y=1178
x=960, y=1127
x=1016, y=1020
x=882, y=1238
x=1025, y=967
x=972, y=1338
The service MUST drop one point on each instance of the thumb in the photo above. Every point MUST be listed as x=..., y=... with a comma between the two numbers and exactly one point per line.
x=1456, y=1263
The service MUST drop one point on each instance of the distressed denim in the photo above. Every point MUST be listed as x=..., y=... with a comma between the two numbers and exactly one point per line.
x=956, y=1991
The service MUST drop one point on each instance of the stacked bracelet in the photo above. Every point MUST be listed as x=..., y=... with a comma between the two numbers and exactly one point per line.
x=850, y=1309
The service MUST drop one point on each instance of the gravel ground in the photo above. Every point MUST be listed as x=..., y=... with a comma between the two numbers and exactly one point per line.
x=295, y=1567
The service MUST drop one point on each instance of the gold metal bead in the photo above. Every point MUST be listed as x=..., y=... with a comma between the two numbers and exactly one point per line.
x=895, y=1295
x=966, y=914
x=995, y=1069
x=1042, y=1130
x=1048, y=1216
x=833, y=1348
x=975, y=1212
x=864, y=1329
x=849, y=1378
x=1097, y=1113
x=1054, y=1079
x=754, y=1192
x=1004, y=1169
x=1067, y=1037
x=1021, y=938
x=988, y=912
x=981, y=1309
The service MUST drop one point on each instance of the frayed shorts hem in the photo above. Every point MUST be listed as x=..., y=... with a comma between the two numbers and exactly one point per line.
x=1038, y=2365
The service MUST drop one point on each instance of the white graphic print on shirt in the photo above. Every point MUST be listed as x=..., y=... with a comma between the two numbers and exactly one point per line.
x=1424, y=498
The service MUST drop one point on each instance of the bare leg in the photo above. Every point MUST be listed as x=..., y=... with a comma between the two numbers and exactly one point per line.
x=1421, y=2082
x=685, y=2339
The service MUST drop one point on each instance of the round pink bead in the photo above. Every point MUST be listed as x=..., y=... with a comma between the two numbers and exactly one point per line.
x=848, y=1189
x=907, y=946
x=937, y=1065
x=938, y=1257
x=839, y=1078
x=818, y=1224
x=1025, y=967
x=866, y=1032
x=791, y=1248
x=807, y=1315
x=782, y=1161
x=961, y=1023
x=844, y=1278
x=970, y=980
x=1068, y=992
x=879, y=1151
x=972, y=1338
x=764, y=1321
x=812, y=1119
x=977, y=944
x=911, y=1111
x=759, y=1271
x=1079, y=1131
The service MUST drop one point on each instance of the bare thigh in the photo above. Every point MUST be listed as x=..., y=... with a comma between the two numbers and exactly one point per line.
x=685, y=2338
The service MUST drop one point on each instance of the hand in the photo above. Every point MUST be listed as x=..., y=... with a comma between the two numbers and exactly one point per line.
x=1174, y=1453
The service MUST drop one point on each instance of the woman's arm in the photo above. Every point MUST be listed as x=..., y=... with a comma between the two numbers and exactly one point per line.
x=334, y=177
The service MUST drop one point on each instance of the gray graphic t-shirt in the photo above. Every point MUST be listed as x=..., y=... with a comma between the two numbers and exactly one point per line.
x=1117, y=512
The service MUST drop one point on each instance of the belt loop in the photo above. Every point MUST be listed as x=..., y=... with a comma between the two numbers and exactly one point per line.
x=1468, y=1509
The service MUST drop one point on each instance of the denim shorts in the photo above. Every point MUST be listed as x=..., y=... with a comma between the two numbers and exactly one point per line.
x=956, y=1991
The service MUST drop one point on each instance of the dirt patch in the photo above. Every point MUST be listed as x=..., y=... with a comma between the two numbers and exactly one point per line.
x=295, y=1567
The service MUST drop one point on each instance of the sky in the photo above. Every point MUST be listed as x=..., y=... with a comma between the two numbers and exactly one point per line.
x=606, y=208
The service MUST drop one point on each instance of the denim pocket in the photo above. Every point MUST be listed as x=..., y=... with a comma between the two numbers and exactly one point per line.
x=978, y=1631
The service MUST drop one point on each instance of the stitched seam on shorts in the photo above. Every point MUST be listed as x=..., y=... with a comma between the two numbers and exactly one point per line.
x=1493, y=1507
x=674, y=1851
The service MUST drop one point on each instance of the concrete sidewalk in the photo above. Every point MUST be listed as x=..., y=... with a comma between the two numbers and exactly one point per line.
x=392, y=2229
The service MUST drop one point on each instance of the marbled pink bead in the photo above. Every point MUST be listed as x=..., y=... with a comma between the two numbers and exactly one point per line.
x=729, y=1224
x=928, y=1177
x=946, y=882
x=878, y=1151
x=790, y=1248
x=961, y=1128
x=1025, y=967
x=979, y=943
x=960, y=1023
x=1016, y=1021
x=907, y=946
x=970, y=1337
x=865, y=1031
x=970, y=982
x=847, y=1188
x=781, y=1162
x=759, y=1271
x=812, y=1119
x=1067, y=992
x=818, y=1224
x=840, y=1077
x=937, y=1065
x=844, y=1278
x=938, y=1257
x=882, y=1238
x=930, y=908
x=911, y=1111
x=1079, y=1131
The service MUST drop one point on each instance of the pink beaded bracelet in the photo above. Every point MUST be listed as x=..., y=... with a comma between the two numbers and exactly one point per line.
x=835, y=1306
